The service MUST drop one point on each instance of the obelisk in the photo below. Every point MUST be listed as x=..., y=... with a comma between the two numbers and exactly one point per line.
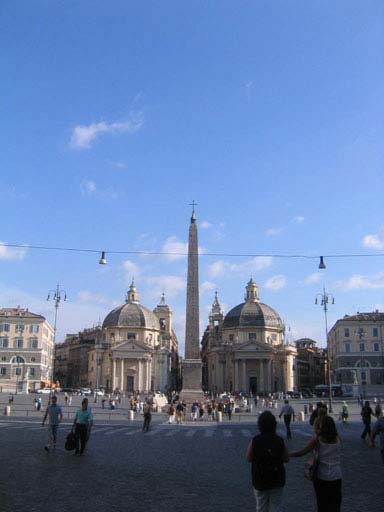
x=192, y=366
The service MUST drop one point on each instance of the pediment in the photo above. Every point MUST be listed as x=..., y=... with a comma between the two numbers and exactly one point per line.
x=253, y=346
x=133, y=348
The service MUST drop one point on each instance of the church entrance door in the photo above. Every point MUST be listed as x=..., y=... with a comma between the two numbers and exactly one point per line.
x=253, y=385
x=130, y=382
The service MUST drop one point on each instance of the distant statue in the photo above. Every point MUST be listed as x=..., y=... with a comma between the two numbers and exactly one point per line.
x=354, y=373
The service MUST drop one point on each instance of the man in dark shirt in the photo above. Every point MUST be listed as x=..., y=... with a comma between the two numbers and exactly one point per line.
x=267, y=453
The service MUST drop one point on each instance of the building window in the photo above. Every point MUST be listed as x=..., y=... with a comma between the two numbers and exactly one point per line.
x=362, y=347
x=347, y=347
x=18, y=343
x=4, y=358
x=375, y=332
x=32, y=372
x=19, y=328
x=17, y=371
x=3, y=371
x=33, y=359
x=33, y=343
x=131, y=336
x=346, y=332
x=34, y=328
x=4, y=327
x=231, y=337
x=376, y=347
x=3, y=342
x=252, y=336
x=363, y=375
x=274, y=336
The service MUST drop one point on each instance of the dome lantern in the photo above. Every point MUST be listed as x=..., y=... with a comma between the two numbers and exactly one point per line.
x=252, y=290
x=132, y=295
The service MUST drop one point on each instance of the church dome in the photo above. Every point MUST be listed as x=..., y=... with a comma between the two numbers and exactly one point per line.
x=132, y=314
x=252, y=313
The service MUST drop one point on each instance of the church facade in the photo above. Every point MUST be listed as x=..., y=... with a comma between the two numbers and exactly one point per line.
x=137, y=351
x=244, y=351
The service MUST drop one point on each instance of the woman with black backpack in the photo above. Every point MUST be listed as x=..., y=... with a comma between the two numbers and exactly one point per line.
x=267, y=453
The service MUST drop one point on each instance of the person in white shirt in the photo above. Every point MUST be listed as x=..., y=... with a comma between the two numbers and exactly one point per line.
x=288, y=414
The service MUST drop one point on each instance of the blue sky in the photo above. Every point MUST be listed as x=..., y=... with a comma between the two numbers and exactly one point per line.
x=116, y=115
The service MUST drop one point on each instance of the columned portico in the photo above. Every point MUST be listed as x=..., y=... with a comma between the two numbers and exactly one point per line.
x=261, y=376
x=122, y=386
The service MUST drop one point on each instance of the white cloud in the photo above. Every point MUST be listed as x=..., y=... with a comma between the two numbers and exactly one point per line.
x=220, y=267
x=356, y=282
x=273, y=231
x=83, y=136
x=131, y=270
x=253, y=265
x=178, y=250
x=207, y=286
x=170, y=285
x=375, y=241
x=205, y=225
x=313, y=278
x=298, y=219
x=89, y=188
x=118, y=165
x=276, y=282
x=12, y=253
x=87, y=296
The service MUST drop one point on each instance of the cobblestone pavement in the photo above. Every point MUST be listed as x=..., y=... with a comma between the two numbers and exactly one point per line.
x=180, y=468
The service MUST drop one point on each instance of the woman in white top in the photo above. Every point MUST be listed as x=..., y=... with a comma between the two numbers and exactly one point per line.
x=327, y=483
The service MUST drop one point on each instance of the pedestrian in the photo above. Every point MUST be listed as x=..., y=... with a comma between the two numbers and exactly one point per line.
x=315, y=412
x=179, y=413
x=366, y=413
x=201, y=411
x=171, y=414
x=344, y=412
x=147, y=416
x=229, y=411
x=194, y=411
x=82, y=426
x=267, y=453
x=378, y=409
x=55, y=415
x=66, y=398
x=103, y=400
x=321, y=413
x=327, y=480
x=378, y=429
x=39, y=403
x=289, y=414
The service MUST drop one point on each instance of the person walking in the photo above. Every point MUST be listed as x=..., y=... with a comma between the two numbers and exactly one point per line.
x=39, y=403
x=288, y=414
x=229, y=410
x=147, y=416
x=378, y=409
x=344, y=412
x=366, y=413
x=378, y=429
x=179, y=413
x=82, y=426
x=55, y=415
x=328, y=478
x=315, y=412
x=267, y=453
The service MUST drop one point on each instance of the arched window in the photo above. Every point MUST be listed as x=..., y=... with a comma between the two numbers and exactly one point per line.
x=17, y=360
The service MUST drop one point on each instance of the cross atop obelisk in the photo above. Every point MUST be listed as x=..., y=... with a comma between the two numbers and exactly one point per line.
x=192, y=367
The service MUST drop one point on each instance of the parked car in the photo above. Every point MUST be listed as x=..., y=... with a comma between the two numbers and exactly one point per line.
x=85, y=391
x=44, y=391
x=99, y=392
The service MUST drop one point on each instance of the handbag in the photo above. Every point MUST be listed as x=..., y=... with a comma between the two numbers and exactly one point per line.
x=70, y=442
x=312, y=466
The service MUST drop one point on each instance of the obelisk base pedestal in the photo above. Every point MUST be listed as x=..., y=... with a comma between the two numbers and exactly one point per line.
x=192, y=381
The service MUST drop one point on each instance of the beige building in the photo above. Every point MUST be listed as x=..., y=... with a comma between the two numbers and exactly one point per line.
x=26, y=350
x=135, y=350
x=245, y=350
x=356, y=351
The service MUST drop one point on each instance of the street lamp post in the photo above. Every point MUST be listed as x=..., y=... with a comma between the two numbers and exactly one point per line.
x=324, y=303
x=57, y=296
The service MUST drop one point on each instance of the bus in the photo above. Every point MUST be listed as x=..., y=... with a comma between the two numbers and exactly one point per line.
x=322, y=390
